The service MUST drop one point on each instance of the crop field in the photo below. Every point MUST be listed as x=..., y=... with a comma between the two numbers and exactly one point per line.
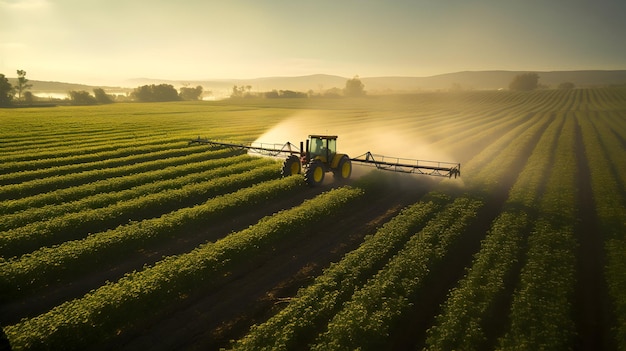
x=117, y=234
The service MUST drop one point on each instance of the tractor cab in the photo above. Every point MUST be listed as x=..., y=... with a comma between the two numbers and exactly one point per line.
x=323, y=147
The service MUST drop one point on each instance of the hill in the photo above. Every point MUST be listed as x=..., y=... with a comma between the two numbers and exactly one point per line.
x=493, y=80
x=466, y=80
x=482, y=80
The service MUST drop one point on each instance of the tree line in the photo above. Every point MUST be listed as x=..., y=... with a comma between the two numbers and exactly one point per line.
x=10, y=95
x=144, y=93
x=8, y=92
x=354, y=88
x=166, y=92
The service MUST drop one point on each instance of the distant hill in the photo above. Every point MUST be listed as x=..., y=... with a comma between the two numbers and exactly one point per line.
x=321, y=82
x=493, y=80
x=59, y=89
x=465, y=80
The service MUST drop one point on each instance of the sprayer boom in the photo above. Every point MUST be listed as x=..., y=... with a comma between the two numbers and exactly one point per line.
x=320, y=156
x=259, y=148
x=404, y=165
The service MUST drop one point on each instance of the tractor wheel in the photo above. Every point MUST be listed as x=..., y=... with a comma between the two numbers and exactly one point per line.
x=344, y=169
x=314, y=174
x=291, y=166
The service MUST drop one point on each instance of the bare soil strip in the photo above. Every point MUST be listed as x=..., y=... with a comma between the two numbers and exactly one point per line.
x=591, y=305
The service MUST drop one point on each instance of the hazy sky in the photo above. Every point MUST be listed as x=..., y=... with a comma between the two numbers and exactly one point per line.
x=104, y=41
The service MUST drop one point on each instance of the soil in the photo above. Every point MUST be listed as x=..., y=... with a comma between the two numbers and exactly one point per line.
x=592, y=310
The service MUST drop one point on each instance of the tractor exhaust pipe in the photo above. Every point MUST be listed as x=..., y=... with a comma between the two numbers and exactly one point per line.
x=307, y=154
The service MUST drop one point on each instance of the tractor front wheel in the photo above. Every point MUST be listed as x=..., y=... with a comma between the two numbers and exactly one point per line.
x=291, y=166
x=344, y=169
x=314, y=174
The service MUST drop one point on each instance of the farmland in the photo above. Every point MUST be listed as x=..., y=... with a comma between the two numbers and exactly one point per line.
x=115, y=233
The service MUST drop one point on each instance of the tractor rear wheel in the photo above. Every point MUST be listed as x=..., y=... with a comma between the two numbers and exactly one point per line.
x=344, y=169
x=291, y=166
x=314, y=174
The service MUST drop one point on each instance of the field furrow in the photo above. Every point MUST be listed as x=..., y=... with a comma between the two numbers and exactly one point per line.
x=116, y=305
x=75, y=164
x=365, y=321
x=44, y=185
x=465, y=321
x=118, y=184
x=205, y=171
x=541, y=310
x=310, y=309
x=75, y=225
x=611, y=212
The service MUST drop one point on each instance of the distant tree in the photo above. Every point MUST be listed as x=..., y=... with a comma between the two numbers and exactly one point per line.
x=566, y=85
x=165, y=92
x=187, y=93
x=102, y=97
x=236, y=92
x=81, y=98
x=284, y=94
x=332, y=93
x=272, y=94
x=525, y=82
x=354, y=87
x=239, y=92
x=142, y=93
x=22, y=83
x=6, y=91
x=155, y=93
x=28, y=97
x=292, y=94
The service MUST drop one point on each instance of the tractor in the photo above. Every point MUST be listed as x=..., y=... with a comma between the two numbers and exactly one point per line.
x=320, y=156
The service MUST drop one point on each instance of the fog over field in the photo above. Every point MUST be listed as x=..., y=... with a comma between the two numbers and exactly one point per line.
x=378, y=137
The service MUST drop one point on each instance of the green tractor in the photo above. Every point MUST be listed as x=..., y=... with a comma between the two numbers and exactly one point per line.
x=319, y=157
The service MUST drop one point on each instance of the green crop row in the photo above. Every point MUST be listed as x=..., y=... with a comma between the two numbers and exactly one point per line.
x=368, y=328
x=38, y=186
x=365, y=321
x=472, y=121
x=504, y=117
x=90, y=146
x=30, y=171
x=120, y=183
x=461, y=325
x=315, y=304
x=296, y=319
x=541, y=310
x=479, y=134
x=212, y=169
x=76, y=225
x=495, y=163
x=476, y=166
x=82, y=322
x=612, y=145
x=52, y=263
x=611, y=212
